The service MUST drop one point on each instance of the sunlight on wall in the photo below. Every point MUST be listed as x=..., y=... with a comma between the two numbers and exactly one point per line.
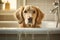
x=13, y=4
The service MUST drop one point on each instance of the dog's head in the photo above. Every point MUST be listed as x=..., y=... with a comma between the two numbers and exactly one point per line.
x=29, y=15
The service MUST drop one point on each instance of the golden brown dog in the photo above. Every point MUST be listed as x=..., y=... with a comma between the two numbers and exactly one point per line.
x=29, y=16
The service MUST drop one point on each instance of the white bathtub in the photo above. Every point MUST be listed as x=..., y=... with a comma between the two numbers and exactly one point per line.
x=48, y=27
x=46, y=32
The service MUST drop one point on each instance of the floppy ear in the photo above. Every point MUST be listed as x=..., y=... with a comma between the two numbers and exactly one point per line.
x=40, y=16
x=19, y=13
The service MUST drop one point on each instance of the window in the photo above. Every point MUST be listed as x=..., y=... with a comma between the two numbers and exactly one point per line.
x=13, y=4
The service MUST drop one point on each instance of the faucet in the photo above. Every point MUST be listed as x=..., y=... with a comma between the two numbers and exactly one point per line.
x=55, y=10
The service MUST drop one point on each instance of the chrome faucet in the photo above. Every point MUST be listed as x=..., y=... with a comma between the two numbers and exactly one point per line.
x=55, y=10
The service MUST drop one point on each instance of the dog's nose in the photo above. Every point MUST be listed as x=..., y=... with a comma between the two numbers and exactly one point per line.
x=30, y=20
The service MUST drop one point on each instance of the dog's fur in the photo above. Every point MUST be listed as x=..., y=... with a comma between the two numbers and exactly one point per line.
x=29, y=16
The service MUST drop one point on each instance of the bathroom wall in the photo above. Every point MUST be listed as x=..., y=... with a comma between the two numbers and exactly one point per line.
x=45, y=6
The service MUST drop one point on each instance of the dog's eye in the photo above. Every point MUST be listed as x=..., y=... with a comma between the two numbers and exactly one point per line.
x=33, y=11
x=25, y=11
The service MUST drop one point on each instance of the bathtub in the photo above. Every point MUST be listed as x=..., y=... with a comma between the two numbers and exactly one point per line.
x=47, y=27
x=48, y=31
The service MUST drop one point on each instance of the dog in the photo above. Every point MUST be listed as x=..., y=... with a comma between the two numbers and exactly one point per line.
x=29, y=16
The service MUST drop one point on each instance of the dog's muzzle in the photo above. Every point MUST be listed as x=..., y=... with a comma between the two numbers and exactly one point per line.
x=30, y=20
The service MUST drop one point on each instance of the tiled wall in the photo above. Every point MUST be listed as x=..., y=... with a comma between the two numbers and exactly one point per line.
x=45, y=5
